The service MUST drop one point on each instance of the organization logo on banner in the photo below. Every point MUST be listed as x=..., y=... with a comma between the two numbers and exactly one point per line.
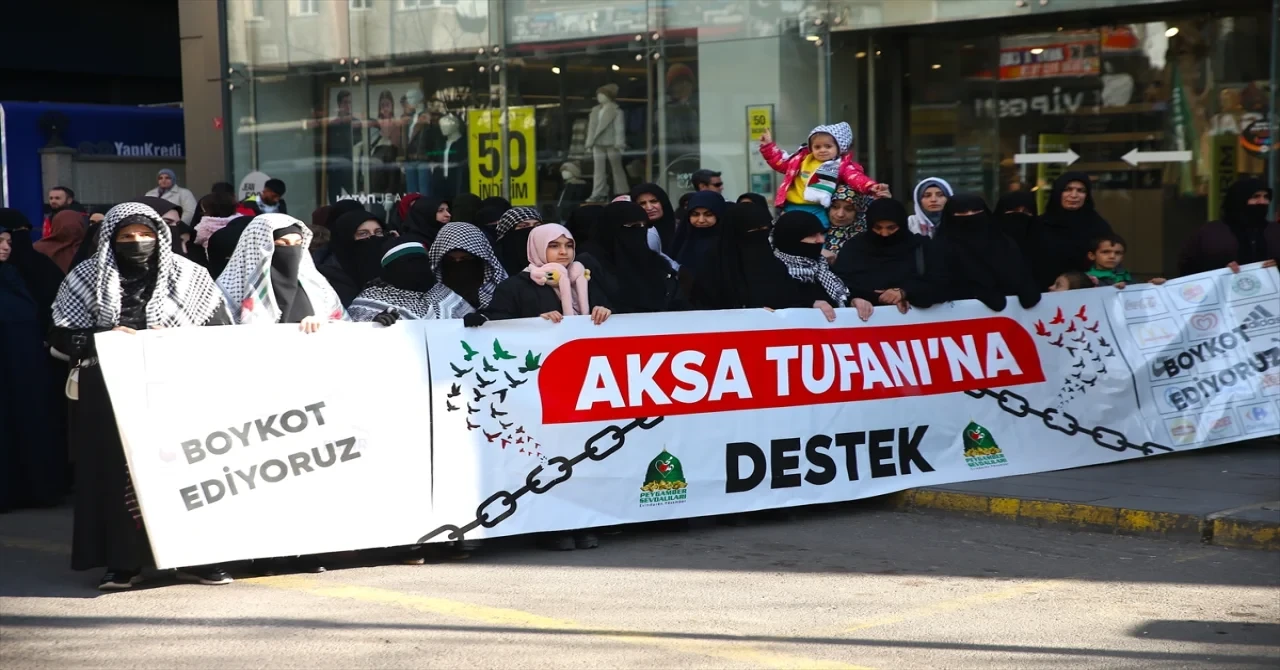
x=1223, y=426
x=1261, y=319
x=1142, y=303
x=1260, y=418
x=1195, y=293
x=1249, y=284
x=980, y=448
x=1182, y=430
x=1205, y=324
x=1156, y=333
x=664, y=482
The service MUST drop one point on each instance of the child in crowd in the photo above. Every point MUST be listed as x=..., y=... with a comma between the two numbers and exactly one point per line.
x=1107, y=258
x=811, y=174
x=1070, y=281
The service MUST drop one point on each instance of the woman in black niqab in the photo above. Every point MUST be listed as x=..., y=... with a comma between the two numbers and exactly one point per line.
x=285, y=261
x=970, y=258
x=635, y=277
x=39, y=273
x=359, y=261
x=1243, y=234
x=1067, y=230
x=885, y=264
x=1015, y=216
x=427, y=215
x=465, y=207
x=741, y=271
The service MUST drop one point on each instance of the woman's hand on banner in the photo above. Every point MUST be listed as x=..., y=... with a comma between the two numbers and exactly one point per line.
x=827, y=311
x=600, y=314
x=865, y=309
x=310, y=324
x=125, y=329
x=553, y=317
x=891, y=296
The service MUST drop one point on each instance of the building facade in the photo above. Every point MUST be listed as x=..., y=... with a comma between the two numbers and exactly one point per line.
x=1164, y=103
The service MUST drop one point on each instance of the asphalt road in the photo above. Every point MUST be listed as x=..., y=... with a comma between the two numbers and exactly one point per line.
x=837, y=587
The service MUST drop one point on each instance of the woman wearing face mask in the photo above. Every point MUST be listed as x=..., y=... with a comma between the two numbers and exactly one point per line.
x=635, y=278
x=885, y=265
x=427, y=215
x=132, y=283
x=1243, y=234
x=1067, y=230
x=971, y=259
x=930, y=197
x=1015, y=216
x=356, y=244
x=847, y=214
x=697, y=239
x=402, y=288
x=554, y=285
x=513, y=236
x=467, y=273
x=583, y=222
x=797, y=242
x=464, y=207
x=272, y=255
x=742, y=270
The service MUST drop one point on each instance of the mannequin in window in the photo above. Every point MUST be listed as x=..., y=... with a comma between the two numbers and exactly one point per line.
x=449, y=175
x=574, y=192
x=422, y=138
x=606, y=138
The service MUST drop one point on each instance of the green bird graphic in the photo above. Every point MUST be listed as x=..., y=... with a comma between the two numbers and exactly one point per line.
x=530, y=362
x=499, y=354
x=471, y=353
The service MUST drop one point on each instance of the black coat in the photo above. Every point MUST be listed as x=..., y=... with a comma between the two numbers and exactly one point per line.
x=867, y=267
x=519, y=297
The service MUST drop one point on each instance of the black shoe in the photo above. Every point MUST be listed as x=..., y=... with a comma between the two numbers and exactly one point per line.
x=586, y=540
x=557, y=542
x=211, y=575
x=119, y=580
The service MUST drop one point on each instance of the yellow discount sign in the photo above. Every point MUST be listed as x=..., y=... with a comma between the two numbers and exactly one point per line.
x=759, y=121
x=487, y=155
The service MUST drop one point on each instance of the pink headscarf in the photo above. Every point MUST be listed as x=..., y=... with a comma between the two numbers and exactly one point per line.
x=553, y=274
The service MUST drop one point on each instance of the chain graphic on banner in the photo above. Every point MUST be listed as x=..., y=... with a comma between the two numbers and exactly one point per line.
x=1065, y=423
x=533, y=484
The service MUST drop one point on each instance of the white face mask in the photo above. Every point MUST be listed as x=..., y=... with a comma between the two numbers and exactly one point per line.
x=566, y=174
x=602, y=98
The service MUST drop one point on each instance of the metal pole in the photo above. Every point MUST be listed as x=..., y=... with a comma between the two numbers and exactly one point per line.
x=664, y=154
x=504, y=130
x=1274, y=161
x=871, y=105
x=224, y=77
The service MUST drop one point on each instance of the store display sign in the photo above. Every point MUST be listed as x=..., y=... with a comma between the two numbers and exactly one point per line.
x=486, y=154
x=1077, y=57
x=759, y=122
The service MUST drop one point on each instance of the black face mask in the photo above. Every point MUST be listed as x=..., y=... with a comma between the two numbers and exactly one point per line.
x=410, y=273
x=513, y=249
x=464, y=277
x=368, y=259
x=287, y=260
x=135, y=254
x=1256, y=215
x=885, y=240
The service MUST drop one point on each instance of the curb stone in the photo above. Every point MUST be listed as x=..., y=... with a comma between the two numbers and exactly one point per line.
x=1208, y=529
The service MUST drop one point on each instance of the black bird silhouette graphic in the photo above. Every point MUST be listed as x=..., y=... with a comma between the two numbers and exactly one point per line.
x=1078, y=365
x=1079, y=339
x=502, y=395
x=1091, y=381
x=478, y=394
x=1088, y=348
x=482, y=382
x=1097, y=358
x=505, y=425
x=1109, y=354
x=492, y=436
x=455, y=391
x=1056, y=343
x=531, y=362
x=513, y=381
x=471, y=353
x=1103, y=371
x=519, y=431
x=1092, y=329
x=487, y=367
x=458, y=372
x=449, y=406
x=1077, y=375
x=471, y=410
x=1101, y=340
x=1072, y=351
x=494, y=413
x=471, y=426
x=499, y=354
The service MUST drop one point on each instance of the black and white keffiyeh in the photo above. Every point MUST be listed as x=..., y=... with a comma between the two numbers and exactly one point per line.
x=810, y=271
x=246, y=281
x=379, y=296
x=184, y=295
x=514, y=217
x=445, y=304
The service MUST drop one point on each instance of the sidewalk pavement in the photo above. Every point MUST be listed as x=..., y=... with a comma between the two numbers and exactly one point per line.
x=1227, y=495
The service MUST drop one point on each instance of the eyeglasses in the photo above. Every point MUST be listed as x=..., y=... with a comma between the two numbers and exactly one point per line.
x=717, y=184
x=365, y=234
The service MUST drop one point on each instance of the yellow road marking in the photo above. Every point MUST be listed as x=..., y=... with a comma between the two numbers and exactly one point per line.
x=509, y=617
x=953, y=605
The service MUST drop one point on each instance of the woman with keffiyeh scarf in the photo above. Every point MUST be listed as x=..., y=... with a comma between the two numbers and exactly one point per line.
x=402, y=286
x=466, y=270
x=797, y=240
x=133, y=282
x=512, y=236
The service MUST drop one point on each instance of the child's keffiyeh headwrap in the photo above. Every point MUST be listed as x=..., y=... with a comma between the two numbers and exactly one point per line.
x=444, y=303
x=822, y=185
x=89, y=297
x=246, y=281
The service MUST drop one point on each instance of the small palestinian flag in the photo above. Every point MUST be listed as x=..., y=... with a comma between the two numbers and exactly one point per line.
x=978, y=441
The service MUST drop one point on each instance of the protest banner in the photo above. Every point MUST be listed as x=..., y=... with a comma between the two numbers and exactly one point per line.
x=528, y=426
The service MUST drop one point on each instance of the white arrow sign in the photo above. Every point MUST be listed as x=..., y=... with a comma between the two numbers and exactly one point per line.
x=1067, y=157
x=1134, y=157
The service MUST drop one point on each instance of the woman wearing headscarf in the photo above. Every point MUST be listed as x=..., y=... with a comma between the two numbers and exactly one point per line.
x=583, y=222
x=1067, y=230
x=554, y=284
x=222, y=244
x=1243, y=234
x=635, y=278
x=741, y=271
x=167, y=188
x=496, y=202
x=356, y=245
x=885, y=265
x=272, y=279
x=753, y=198
x=66, y=233
x=971, y=259
x=698, y=237
x=513, y=237
x=402, y=287
x=661, y=216
x=467, y=273
x=132, y=283
x=847, y=215
x=1015, y=216
x=427, y=215
x=465, y=207
x=930, y=196
x=39, y=273
x=33, y=453
x=797, y=242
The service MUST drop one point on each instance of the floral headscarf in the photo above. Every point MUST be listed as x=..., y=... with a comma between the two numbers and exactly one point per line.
x=838, y=235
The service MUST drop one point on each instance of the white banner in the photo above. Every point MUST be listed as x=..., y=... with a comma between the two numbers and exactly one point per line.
x=539, y=426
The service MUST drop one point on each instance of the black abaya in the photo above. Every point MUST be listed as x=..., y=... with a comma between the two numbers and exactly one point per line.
x=742, y=271
x=1065, y=236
